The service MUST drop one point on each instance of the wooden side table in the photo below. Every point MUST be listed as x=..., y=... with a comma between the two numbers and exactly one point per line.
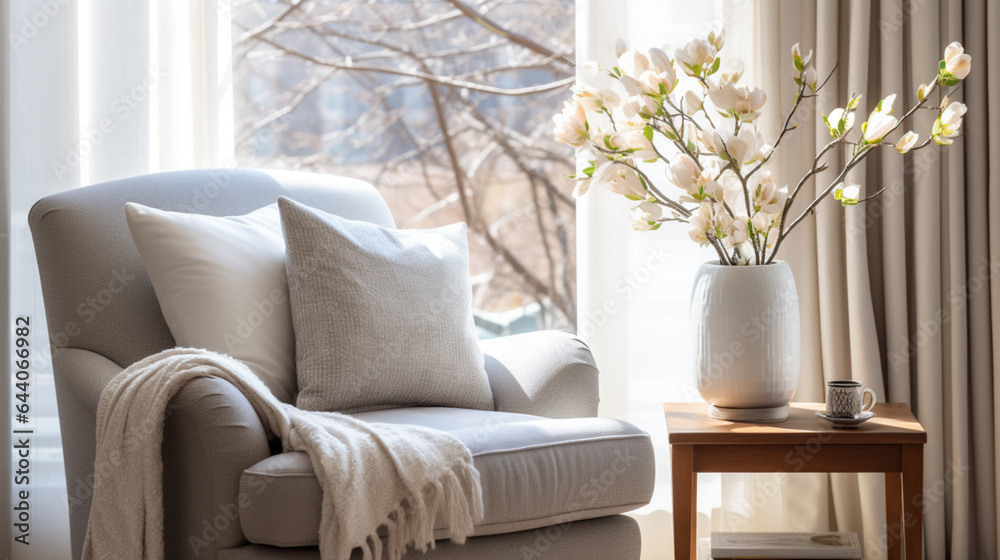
x=891, y=443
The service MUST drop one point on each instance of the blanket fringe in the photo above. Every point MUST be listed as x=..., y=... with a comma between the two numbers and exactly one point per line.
x=457, y=492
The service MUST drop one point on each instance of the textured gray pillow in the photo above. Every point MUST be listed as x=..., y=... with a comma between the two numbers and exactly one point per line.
x=382, y=317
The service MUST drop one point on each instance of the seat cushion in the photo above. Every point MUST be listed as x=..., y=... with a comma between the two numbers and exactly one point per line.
x=534, y=472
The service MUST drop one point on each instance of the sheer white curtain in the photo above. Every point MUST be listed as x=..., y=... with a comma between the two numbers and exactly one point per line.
x=635, y=287
x=95, y=90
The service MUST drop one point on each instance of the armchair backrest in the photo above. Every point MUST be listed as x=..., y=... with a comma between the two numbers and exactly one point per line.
x=97, y=294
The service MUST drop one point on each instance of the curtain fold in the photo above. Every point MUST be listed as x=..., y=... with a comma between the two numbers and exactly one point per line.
x=899, y=289
x=96, y=90
x=982, y=148
x=897, y=292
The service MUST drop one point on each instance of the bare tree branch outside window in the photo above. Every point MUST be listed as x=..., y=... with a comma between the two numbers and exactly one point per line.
x=444, y=105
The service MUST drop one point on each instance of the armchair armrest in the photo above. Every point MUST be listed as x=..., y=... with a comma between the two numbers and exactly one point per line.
x=546, y=373
x=86, y=374
x=80, y=376
x=210, y=435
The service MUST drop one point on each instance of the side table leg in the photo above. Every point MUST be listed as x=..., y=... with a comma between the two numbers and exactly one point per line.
x=913, y=483
x=685, y=491
x=894, y=514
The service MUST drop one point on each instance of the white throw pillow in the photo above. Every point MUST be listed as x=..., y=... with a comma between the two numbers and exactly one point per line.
x=382, y=317
x=221, y=285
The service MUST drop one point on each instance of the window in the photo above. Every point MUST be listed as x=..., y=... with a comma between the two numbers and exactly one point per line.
x=445, y=106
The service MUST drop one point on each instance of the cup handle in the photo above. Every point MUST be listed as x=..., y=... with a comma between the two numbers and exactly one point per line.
x=871, y=405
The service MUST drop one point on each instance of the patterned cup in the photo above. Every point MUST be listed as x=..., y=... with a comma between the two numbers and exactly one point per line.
x=845, y=399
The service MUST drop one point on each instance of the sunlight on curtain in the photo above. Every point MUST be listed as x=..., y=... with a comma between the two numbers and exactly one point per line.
x=86, y=84
x=635, y=286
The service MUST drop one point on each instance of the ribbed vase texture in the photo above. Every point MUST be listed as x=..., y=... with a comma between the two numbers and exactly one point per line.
x=745, y=321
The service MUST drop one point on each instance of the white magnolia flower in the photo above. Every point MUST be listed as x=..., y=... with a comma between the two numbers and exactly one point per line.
x=956, y=62
x=800, y=62
x=634, y=113
x=809, y=77
x=922, y=92
x=684, y=172
x=732, y=188
x=746, y=147
x=586, y=167
x=881, y=121
x=690, y=130
x=907, y=141
x=602, y=131
x=646, y=72
x=769, y=197
x=571, y=124
x=710, y=221
x=660, y=61
x=635, y=140
x=619, y=179
x=848, y=194
x=621, y=45
x=772, y=234
x=593, y=99
x=708, y=141
x=594, y=76
x=632, y=85
x=698, y=236
x=646, y=216
x=948, y=123
x=763, y=221
x=736, y=232
x=658, y=82
x=717, y=36
x=738, y=100
x=696, y=57
x=634, y=63
x=840, y=121
x=733, y=75
x=952, y=115
x=699, y=184
x=692, y=102
x=634, y=106
x=626, y=124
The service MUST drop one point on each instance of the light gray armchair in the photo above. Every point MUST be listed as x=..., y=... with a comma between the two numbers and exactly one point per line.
x=554, y=476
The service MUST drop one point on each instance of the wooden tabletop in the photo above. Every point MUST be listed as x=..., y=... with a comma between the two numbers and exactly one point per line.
x=893, y=423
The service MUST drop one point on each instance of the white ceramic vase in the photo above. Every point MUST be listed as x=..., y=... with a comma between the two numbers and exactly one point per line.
x=745, y=321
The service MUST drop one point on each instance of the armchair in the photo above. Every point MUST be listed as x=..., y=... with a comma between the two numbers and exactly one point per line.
x=554, y=477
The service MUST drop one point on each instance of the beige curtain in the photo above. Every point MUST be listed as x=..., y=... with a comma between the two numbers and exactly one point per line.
x=897, y=292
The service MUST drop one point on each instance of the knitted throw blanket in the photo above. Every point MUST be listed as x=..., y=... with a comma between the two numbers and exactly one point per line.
x=371, y=474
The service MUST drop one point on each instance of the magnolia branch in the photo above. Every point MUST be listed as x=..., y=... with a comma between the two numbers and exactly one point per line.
x=861, y=153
